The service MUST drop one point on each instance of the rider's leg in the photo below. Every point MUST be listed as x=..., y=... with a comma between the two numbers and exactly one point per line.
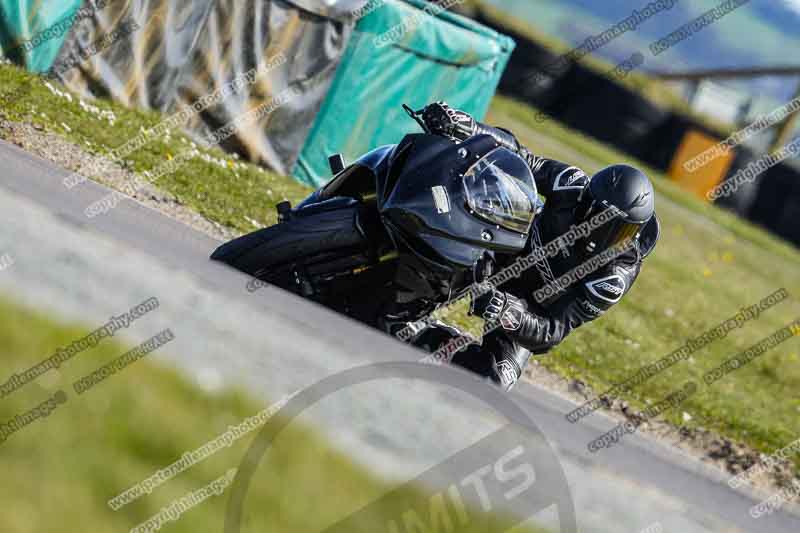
x=434, y=335
x=497, y=358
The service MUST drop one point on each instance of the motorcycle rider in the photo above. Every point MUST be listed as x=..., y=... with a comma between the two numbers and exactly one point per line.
x=528, y=325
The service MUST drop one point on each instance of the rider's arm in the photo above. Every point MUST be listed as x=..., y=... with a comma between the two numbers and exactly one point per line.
x=441, y=119
x=550, y=175
x=539, y=332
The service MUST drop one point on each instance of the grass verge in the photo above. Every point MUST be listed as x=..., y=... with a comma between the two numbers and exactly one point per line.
x=60, y=471
x=215, y=184
x=707, y=265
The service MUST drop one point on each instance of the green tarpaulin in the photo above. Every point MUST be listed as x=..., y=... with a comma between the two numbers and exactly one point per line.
x=32, y=31
x=401, y=53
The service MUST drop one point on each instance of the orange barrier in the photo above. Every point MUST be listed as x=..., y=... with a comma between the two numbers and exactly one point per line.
x=705, y=177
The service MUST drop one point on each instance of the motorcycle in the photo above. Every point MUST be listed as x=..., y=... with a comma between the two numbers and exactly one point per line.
x=402, y=230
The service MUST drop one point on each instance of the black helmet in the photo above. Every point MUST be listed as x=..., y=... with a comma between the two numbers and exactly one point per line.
x=626, y=188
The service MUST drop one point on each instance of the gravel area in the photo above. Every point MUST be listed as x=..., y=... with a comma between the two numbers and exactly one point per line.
x=698, y=442
x=72, y=157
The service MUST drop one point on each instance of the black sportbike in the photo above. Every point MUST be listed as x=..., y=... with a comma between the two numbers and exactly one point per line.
x=403, y=229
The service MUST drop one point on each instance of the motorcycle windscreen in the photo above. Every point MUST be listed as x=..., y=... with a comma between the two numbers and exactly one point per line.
x=500, y=189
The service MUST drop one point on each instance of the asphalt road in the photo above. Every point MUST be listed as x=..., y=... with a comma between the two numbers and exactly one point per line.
x=274, y=343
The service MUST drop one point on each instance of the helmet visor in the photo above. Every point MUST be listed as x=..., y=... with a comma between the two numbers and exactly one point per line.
x=614, y=232
x=623, y=233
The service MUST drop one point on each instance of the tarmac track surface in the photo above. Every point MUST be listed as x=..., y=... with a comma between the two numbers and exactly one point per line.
x=274, y=343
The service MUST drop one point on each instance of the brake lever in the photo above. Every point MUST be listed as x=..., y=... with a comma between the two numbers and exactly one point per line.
x=415, y=115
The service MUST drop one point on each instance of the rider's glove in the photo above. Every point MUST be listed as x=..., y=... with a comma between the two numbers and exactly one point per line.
x=441, y=119
x=499, y=307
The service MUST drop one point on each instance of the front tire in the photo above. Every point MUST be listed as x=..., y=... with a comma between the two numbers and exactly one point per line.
x=309, y=235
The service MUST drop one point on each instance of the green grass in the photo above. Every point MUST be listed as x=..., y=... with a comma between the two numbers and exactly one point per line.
x=707, y=265
x=59, y=472
x=232, y=194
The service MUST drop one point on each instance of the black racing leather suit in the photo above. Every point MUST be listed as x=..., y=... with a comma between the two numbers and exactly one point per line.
x=543, y=325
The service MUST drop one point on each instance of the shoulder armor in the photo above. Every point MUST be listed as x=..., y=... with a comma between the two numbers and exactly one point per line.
x=571, y=178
